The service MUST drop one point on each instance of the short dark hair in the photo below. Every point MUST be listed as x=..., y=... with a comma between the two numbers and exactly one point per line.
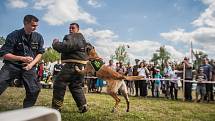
x=76, y=24
x=30, y=18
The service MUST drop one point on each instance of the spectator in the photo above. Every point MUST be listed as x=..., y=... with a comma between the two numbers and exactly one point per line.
x=135, y=73
x=166, y=83
x=111, y=65
x=173, y=85
x=153, y=72
x=212, y=63
x=200, y=89
x=120, y=69
x=209, y=87
x=157, y=82
x=40, y=71
x=188, y=77
x=130, y=84
x=143, y=71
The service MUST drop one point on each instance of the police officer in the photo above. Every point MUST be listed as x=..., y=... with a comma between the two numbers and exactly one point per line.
x=73, y=54
x=22, y=50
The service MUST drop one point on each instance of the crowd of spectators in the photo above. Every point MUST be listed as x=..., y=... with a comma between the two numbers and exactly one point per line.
x=165, y=80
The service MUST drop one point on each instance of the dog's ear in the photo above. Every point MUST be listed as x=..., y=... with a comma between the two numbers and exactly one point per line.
x=88, y=48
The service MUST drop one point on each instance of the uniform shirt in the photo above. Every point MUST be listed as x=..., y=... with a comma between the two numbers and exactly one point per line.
x=20, y=44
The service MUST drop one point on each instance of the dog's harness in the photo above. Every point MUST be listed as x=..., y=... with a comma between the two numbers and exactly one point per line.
x=96, y=64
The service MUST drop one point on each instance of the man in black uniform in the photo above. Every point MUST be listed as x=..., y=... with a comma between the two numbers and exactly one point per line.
x=73, y=54
x=21, y=52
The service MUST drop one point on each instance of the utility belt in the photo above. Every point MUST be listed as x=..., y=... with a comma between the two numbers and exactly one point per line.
x=74, y=61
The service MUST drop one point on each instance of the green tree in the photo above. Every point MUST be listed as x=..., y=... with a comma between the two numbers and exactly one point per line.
x=120, y=54
x=2, y=40
x=199, y=55
x=155, y=58
x=161, y=56
x=50, y=55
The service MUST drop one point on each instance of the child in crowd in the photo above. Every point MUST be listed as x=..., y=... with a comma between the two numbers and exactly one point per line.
x=200, y=89
x=157, y=84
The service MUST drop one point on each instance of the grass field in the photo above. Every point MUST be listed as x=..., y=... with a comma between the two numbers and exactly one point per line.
x=147, y=109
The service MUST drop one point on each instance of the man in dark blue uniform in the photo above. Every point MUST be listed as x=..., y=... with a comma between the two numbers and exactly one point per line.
x=73, y=54
x=21, y=52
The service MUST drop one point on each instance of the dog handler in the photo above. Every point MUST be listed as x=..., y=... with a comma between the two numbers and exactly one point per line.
x=73, y=54
x=22, y=50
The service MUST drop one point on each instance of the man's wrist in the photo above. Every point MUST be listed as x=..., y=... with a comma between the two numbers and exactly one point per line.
x=20, y=58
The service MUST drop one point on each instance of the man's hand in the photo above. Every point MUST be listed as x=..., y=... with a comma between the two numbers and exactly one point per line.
x=26, y=59
x=55, y=40
x=27, y=67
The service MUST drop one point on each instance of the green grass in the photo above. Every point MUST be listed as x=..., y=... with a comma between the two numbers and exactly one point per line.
x=149, y=109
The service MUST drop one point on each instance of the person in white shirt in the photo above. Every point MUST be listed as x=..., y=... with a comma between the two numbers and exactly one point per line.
x=143, y=71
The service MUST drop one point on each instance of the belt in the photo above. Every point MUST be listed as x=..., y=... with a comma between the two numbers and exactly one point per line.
x=74, y=61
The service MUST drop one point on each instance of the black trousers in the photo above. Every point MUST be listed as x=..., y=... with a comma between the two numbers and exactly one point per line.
x=32, y=87
x=209, y=92
x=136, y=83
x=143, y=88
x=173, y=90
x=68, y=77
x=188, y=90
x=152, y=87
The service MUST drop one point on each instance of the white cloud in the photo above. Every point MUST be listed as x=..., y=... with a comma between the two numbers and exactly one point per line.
x=203, y=36
x=41, y=4
x=207, y=1
x=107, y=41
x=207, y=18
x=177, y=35
x=94, y=3
x=62, y=11
x=17, y=3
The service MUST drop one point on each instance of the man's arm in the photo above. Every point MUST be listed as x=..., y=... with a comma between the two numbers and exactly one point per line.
x=63, y=47
x=188, y=65
x=34, y=62
x=13, y=57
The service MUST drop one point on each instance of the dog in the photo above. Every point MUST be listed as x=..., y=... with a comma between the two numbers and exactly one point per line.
x=115, y=80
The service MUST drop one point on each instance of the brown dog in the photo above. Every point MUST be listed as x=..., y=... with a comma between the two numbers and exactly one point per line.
x=115, y=81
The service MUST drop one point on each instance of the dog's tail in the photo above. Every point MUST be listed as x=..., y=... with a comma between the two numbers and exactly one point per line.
x=133, y=78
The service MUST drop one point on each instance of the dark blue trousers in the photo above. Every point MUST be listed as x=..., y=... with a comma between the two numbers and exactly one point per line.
x=32, y=87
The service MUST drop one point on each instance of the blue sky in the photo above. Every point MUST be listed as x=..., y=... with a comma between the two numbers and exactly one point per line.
x=143, y=24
